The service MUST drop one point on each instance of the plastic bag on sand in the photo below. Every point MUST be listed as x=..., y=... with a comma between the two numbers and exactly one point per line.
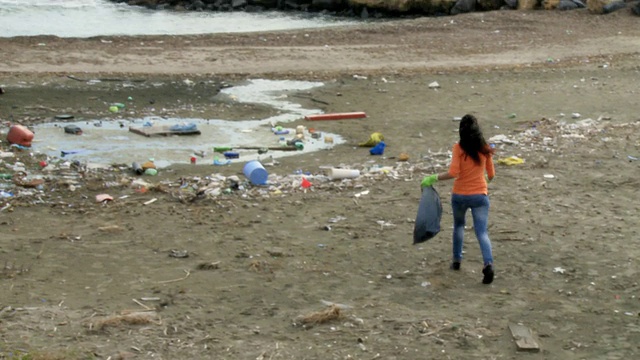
x=429, y=214
x=374, y=139
x=378, y=149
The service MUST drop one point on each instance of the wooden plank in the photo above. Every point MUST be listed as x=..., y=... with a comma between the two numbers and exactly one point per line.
x=138, y=131
x=524, y=338
x=337, y=116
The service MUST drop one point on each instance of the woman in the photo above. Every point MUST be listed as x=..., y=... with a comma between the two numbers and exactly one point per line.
x=471, y=157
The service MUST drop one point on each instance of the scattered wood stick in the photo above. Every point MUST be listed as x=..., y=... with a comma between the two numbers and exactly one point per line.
x=175, y=280
x=141, y=304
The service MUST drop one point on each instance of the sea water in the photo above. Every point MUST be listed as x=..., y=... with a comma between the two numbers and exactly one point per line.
x=87, y=18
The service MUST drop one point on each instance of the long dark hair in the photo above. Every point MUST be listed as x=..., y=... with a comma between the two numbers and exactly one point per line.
x=471, y=139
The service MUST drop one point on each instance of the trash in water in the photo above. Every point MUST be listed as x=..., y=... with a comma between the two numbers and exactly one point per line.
x=73, y=129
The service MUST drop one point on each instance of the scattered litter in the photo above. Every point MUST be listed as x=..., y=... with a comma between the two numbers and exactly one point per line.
x=362, y=193
x=378, y=149
x=524, y=338
x=73, y=129
x=374, y=139
x=559, y=270
x=166, y=130
x=434, y=85
x=330, y=303
x=384, y=224
x=150, y=201
x=103, y=198
x=512, y=160
x=549, y=176
x=336, y=174
x=180, y=254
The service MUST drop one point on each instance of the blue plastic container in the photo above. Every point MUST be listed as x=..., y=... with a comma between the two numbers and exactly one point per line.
x=255, y=172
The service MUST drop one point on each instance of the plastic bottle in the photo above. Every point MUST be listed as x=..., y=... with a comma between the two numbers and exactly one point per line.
x=6, y=176
x=137, y=168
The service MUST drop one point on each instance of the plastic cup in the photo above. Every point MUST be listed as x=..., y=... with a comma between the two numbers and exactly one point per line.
x=255, y=172
x=335, y=174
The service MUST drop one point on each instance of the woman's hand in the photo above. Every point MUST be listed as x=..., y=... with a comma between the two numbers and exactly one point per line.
x=429, y=180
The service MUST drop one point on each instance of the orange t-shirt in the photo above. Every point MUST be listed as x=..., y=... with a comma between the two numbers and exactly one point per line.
x=469, y=176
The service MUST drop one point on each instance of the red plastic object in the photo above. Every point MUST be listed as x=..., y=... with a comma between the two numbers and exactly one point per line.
x=337, y=116
x=306, y=183
x=20, y=135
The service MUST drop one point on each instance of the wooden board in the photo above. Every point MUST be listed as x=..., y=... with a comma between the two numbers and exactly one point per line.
x=149, y=131
x=524, y=338
x=336, y=116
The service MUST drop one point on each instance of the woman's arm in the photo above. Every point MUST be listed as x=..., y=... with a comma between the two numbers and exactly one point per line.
x=445, y=176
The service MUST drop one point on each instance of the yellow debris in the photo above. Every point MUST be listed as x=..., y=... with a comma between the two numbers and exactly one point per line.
x=512, y=160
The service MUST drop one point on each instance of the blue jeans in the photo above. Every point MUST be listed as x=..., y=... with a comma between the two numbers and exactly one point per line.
x=479, y=205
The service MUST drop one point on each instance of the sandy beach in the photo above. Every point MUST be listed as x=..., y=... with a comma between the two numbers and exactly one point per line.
x=172, y=268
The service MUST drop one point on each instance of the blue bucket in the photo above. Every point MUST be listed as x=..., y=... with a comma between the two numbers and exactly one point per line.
x=255, y=172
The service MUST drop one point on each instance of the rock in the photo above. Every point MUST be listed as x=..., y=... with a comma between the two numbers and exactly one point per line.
x=613, y=6
x=463, y=6
x=404, y=6
x=580, y=3
x=487, y=5
x=635, y=8
x=236, y=4
x=597, y=6
x=364, y=14
x=528, y=4
x=512, y=4
x=550, y=4
x=330, y=5
x=567, y=5
x=197, y=5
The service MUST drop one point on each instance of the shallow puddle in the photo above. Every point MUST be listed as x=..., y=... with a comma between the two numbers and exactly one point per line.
x=111, y=142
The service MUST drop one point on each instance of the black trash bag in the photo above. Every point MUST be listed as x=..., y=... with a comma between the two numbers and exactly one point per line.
x=428, y=218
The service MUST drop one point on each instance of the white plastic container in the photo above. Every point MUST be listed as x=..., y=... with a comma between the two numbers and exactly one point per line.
x=335, y=173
